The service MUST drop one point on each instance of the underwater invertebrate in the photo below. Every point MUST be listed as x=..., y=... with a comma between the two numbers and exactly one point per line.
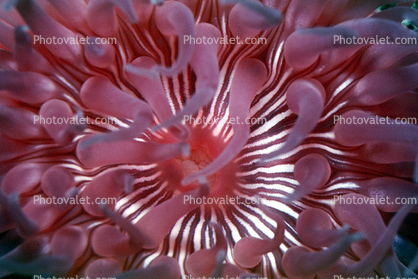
x=226, y=131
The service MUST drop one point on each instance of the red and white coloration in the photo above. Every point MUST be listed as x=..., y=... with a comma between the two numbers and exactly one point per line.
x=200, y=157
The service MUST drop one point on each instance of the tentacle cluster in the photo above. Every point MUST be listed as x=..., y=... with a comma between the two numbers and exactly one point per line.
x=201, y=152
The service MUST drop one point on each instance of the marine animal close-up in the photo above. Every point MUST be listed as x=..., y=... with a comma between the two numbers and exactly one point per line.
x=208, y=139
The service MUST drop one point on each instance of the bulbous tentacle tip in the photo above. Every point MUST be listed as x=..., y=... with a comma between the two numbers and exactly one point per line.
x=305, y=46
x=357, y=127
x=149, y=73
x=119, y=246
x=157, y=223
x=311, y=171
x=315, y=228
x=380, y=86
x=28, y=87
x=271, y=15
x=174, y=18
x=26, y=227
x=21, y=34
x=208, y=262
x=57, y=181
x=299, y=262
x=107, y=185
x=129, y=10
x=135, y=239
x=104, y=9
x=99, y=55
x=69, y=242
x=248, y=18
x=102, y=268
x=305, y=97
x=241, y=249
x=248, y=251
x=63, y=133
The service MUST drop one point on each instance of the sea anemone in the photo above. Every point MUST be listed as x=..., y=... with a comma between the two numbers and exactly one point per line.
x=206, y=138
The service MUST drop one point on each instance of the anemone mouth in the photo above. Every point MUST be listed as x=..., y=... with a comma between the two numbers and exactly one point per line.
x=199, y=158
